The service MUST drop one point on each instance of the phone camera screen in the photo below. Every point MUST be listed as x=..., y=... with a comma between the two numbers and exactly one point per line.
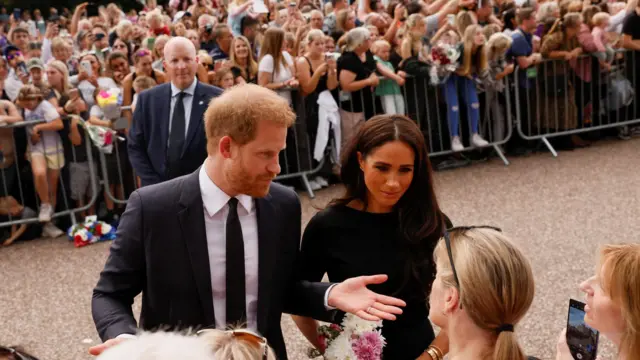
x=582, y=339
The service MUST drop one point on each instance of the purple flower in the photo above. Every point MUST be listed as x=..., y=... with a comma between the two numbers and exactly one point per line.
x=368, y=346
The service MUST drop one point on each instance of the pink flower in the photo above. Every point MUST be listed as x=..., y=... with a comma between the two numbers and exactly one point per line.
x=322, y=341
x=368, y=346
x=108, y=138
x=335, y=327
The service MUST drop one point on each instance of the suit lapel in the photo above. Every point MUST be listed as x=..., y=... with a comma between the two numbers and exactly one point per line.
x=268, y=233
x=163, y=112
x=197, y=111
x=191, y=218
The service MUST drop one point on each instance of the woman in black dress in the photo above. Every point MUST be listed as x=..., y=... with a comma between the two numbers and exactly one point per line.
x=388, y=222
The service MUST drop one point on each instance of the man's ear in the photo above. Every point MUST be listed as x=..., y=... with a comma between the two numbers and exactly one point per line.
x=225, y=145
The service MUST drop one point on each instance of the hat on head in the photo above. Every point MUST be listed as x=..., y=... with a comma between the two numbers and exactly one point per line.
x=35, y=63
x=10, y=48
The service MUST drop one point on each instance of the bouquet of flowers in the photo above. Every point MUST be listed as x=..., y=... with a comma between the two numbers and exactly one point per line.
x=444, y=58
x=101, y=137
x=356, y=339
x=91, y=231
x=108, y=100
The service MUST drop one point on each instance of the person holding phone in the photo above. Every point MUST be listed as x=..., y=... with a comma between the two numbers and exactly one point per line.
x=18, y=74
x=612, y=301
x=90, y=78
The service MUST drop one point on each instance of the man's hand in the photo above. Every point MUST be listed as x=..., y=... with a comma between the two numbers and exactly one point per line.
x=353, y=296
x=98, y=349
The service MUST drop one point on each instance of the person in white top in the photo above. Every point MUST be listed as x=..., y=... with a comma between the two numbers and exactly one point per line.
x=276, y=70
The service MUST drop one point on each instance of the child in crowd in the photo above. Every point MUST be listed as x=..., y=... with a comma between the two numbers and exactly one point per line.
x=45, y=150
x=223, y=78
x=389, y=87
x=140, y=84
x=605, y=53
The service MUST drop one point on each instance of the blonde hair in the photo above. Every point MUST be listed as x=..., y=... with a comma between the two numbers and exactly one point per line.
x=59, y=43
x=30, y=91
x=574, y=7
x=600, y=18
x=237, y=111
x=160, y=346
x=341, y=19
x=496, y=283
x=155, y=14
x=156, y=46
x=619, y=269
x=143, y=83
x=378, y=45
x=354, y=38
x=546, y=10
x=479, y=56
x=251, y=62
x=219, y=76
x=236, y=345
x=272, y=45
x=490, y=29
x=314, y=35
x=497, y=46
x=464, y=19
x=62, y=68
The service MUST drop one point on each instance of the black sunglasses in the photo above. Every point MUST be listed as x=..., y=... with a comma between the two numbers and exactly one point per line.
x=447, y=241
x=16, y=354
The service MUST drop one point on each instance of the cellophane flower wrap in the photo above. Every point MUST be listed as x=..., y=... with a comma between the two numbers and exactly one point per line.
x=108, y=102
x=444, y=60
x=356, y=339
x=90, y=232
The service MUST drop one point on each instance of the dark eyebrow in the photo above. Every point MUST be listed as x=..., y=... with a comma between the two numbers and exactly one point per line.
x=381, y=163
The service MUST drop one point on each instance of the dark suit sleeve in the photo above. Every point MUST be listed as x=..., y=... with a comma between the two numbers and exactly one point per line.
x=137, y=145
x=123, y=276
x=307, y=297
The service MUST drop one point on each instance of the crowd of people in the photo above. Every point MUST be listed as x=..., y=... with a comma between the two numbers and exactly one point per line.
x=209, y=90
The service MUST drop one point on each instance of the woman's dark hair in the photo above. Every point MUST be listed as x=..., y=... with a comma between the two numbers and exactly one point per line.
x=509, y=19
x=421, y=223
x=112, y=40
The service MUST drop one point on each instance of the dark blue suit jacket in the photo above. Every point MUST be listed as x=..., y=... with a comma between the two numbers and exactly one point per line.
x=149, y=132
x=161, y=250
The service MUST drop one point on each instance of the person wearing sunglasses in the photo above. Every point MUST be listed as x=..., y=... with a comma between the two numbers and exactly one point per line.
x=387, y=222
x=18, y=73
x=484, y=286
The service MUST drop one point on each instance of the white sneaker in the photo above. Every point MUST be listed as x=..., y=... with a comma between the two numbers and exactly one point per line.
x=314, y=185
x=46, y=211
x=322, y=181
x=478, y=141
x=51, y=231
x=456, y=144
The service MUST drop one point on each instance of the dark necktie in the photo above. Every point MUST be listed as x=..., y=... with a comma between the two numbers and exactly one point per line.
x=176, y=139
x=236, y=291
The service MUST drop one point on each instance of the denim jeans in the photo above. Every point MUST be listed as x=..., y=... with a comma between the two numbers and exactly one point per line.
x=470, y=97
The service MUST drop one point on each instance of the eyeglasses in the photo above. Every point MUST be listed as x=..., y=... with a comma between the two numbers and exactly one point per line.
x=248, y=336
x=5, y=351
x=447, y=241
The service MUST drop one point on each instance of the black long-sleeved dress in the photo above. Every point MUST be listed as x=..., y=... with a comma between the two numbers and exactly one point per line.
x=344, y=243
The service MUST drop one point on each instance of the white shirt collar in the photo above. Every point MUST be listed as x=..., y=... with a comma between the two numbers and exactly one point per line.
x=214, y=199
x=190, y=90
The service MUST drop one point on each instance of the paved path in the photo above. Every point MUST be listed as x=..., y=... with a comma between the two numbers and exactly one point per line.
x=559, y=210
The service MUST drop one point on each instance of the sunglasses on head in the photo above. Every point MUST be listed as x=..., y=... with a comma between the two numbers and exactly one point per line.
x=99, y=36
x=143, y=52
x=6, y=351
x=447, y=241
x=248, y=336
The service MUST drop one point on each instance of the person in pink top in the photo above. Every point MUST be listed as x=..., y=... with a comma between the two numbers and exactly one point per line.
x=604, y=51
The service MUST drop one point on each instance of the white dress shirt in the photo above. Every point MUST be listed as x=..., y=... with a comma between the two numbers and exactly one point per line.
x=216, y=210
x=187, y=101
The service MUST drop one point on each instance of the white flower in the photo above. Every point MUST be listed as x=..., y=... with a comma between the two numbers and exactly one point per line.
x=340, y=348
x=106, y=228
x=355, y=325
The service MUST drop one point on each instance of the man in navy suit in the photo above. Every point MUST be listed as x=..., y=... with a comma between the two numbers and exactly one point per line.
x=167, y=139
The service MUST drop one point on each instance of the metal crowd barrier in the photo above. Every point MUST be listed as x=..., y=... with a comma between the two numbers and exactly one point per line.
x=18, y=182
x=557, y=99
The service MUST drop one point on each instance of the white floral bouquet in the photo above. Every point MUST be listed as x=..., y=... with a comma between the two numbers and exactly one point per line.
x=444, y=60
x=356, y=339
x=109, y=103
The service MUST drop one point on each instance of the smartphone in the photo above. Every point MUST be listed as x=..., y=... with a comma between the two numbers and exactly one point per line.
x=23, y=67
x=86, y=65
x=92, y=10
x=17, y=13
x=121, y=124
x=582, y=339
x=218, y=64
